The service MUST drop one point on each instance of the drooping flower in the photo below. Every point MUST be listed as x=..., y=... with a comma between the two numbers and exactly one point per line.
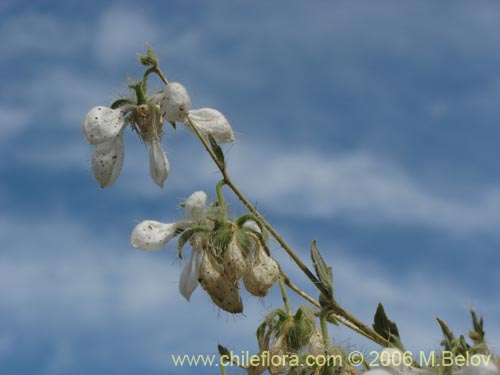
x=153, y=235
x=104, y=128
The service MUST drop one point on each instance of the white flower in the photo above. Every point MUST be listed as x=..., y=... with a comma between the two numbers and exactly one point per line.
x=153, y=235
x=211, y=122
x=175, y=103
x=104, y=127
x=158, y=163
x=107, y=160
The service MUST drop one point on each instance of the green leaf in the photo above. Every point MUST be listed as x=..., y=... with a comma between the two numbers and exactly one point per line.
x=449, y=338
x=386, y=328
x=324, y=273
x=148, y=59
x=152, y=55
x=330, y=318
x=219, y=154
x=477, y=335
x=223, y=351
x=120, y=102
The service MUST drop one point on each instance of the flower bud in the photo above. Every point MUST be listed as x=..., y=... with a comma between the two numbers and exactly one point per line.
x=261, y=273
x=234, y=261
x=175, y=103
x=316, y=344
x=278, y=350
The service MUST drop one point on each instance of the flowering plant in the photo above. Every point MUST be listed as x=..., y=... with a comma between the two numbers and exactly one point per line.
x=228, y=253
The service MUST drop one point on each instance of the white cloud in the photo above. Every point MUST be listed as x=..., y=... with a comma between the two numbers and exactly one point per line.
x=122, y=32
x=360, y=186
x=40, y=33
x=13, y=121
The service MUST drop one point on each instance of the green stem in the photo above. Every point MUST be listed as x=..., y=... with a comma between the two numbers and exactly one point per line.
x=222, y=369
x=324, y=329
x=284, y=295
x=220, y=197
x=139, y=93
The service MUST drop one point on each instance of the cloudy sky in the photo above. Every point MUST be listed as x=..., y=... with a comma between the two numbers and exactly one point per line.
x=372, y=127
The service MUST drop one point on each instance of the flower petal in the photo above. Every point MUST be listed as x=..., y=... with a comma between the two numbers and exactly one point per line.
x=107, y=161
x=158, y=163
x=103, y=124
x=211, y=122
x=189, y=276
x=152, y=235
x=196, y=205
x=174, y=102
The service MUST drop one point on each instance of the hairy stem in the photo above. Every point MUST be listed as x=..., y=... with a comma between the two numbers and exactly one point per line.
x=324, y=329
x=284, y=295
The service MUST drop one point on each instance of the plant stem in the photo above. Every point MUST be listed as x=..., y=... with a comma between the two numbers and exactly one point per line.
x=284, y=295
x=324, y=329
x=299, y=291
x=220, y=196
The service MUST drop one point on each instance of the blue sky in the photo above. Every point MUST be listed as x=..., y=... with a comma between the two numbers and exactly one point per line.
x=371, y=127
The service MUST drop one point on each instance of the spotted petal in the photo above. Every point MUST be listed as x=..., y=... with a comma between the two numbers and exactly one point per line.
x=103, y=124
x=196, y=205
x=158, y=163
x=211, y=122
x=174, y=102
x=152, y=235
x=189, y=276
x=107, y=161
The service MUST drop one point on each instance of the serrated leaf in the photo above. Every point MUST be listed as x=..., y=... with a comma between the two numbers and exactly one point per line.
x=386, y=328
x=219, y=154
x=324, y=273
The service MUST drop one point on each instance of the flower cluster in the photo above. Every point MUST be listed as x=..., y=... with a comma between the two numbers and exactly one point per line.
x=104, y=128
x=293, y=341
x=223, y=252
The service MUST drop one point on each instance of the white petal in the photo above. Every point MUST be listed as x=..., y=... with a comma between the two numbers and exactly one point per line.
x=107, y=160
x=211, y=121
x=175, y=102
x=158, y=163
x=189, y=276
x=252, y=225
x=103, y=124
x=196, y=205
x=152, y=235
